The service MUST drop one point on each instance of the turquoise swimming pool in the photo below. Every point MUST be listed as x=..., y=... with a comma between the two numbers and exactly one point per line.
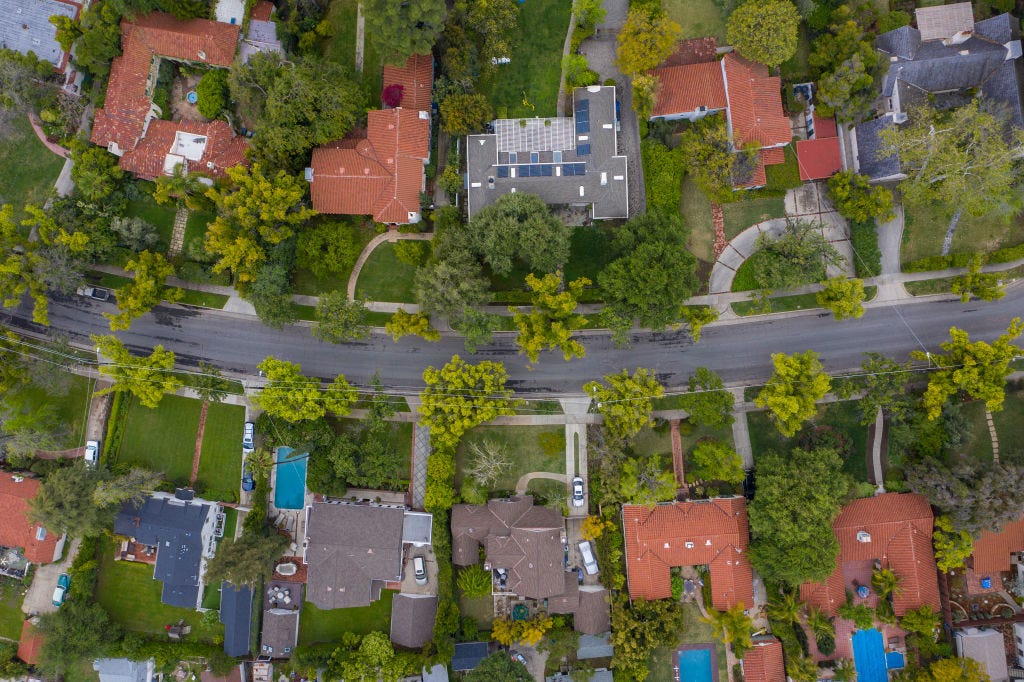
x=290, y=484
x=869, y=656
x=696, y=663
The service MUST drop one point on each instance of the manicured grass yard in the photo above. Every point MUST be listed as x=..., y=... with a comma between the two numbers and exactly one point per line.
x=696, y=210
x=316, y=625
x=196, y=225
x=589, y=254
x=161, y=217
x=658, y=441
x=1010, y=425
x=11, y=617
x=341, y=46
x=164, y=439
x=132, y=598
x=524, y=449
x=385, y=278
x=698, y=18
x=926, y=227
x=739, y=215
x=71, y=408
x=528, y=85
x=693, y=631
x=29, y=167
x=480, y=609
x=220, y=466
x=978, y=445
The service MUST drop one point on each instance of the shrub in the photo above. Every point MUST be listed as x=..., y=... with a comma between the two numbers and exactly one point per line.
x=474, y=581
x=212, y=92
x=663, y=176
x=392, y=95
x=867, y=258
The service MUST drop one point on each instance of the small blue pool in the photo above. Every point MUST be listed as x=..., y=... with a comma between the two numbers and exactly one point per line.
x=894, y=660
x=869, y=656
x=290, y=484
x=696, y=664
x=192, y=97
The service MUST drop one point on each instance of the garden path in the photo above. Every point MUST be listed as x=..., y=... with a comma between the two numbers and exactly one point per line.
x=524, y=481
x=178, y=235
x=876, y=451
x=993, y=435
x=199, y=443
x=52, y=146
x=360, y=36
x=391, y=236
x=740, y=430
x=678, y=463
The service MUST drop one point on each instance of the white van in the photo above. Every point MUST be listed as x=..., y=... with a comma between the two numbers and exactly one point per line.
x=589, y=562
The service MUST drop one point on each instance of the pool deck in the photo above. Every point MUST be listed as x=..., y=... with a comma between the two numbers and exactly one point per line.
x=707, y=646
x=292, y=521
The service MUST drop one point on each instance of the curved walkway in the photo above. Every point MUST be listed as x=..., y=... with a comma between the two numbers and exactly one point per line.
x=737, y=251
x=52, y=146
x=389, y=236
x=524, y=481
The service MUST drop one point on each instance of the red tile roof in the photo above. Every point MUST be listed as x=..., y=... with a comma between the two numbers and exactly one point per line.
x=30, y=644
x=380, y=175
x=819, y=158
x=693, y=51
x=825, y=127
x=755, y=104
x=224, y=149
x=992, y=550
x=122, y=120
x=262, y=11
x=899, y=534
x=416, y=78
x=688, y=87
x=15, y=528
x=763, y=662
x=712, y=533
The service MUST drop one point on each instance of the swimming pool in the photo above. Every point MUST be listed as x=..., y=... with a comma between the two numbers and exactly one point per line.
x=290, y=484
x=869, y=656
x=695, y=664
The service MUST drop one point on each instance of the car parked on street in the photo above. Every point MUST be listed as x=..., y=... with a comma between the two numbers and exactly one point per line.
x=95, y=293
x=516, y=656
x=60, y=593
x=92, y=453
x=248, y=438
x=577, y=492
x=587, y=554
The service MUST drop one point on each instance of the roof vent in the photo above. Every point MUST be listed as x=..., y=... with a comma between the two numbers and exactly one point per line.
x=894, y=58
x=202, y=55
x=964, y=53
x=667, y=546
x=899, y=117
x=424, y=116
x=689, y=545
x=1013, y=49
x=309, y=174
x=863, y=536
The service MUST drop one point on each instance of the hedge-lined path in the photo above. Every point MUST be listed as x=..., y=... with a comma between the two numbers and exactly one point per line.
x=178, y=235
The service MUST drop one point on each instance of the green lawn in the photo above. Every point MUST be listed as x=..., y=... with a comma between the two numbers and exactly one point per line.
x=164, y=439
x=926, y=227
x=693, y=631
x=480, y=609
x=161, y=217
x=385, y=278
x=739, y=215
x=401, y=438
x=778, y=305
x=203, y=298
x=132, y=598
x=698, y=18
x=843, y=416
x=589, y=254
x=696, y=210
x=978, y=445
x=71, y=409
x=658, y=440
x=341, y=46
x=1010, y=425
x=11, y=617
x=317, y=625
x=796, y=69
x=29, y=167
x=528, y=85
x=220, y=466
x=530, y=448
x=196, y=225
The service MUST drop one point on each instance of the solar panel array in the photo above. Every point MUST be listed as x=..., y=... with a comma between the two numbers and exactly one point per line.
x=583, y=149
x=574, y=169
x=534, y=134
x=538, y=170
x=582, y=112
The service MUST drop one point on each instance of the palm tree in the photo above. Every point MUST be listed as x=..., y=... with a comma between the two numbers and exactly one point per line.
x=844, y=671
x=180, y=188
x=820, y=624
x=784, y=607
x=802, y=669
x=886, y=583
x=731, y=627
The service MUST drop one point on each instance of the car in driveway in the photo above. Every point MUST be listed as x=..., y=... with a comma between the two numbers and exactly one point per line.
x=419, y=570
x=95, y=293
x=248, y=438
x=92, y=453
x=60, y=592
x=248, y=484
x=577, y=492
x=516, y=656
x=587, y=554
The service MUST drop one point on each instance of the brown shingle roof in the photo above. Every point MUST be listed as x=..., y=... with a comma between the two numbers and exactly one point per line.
x=412, y=619
x=992, y=550
x=763, y=662
x=712, y=533
x=416, y=77
x=688, y=87
x=755, y=104
x=381, y=175
x=223, y=150
x=593, y=615
x=15, y=528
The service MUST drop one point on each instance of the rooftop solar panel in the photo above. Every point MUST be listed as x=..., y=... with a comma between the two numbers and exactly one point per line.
x=502, y=171
x=568, y=169
x=534, y=157
x=523, y=172
x=581, y=168
x=546, y=170
x=583, y=150
x=582, y=127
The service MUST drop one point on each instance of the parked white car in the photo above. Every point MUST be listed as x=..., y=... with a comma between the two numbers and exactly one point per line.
x=248, y=438
x=92, y=453
x=589, y=562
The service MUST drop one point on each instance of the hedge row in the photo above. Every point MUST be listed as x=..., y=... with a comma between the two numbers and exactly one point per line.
x=962, y=260
x=867, y=259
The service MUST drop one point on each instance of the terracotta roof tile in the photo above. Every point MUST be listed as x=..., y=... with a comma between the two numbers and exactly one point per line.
x=194, y=40
x=755, y=104
x=688, y=87
x=224, y=149
x=992, y=550
x=763, y=662
x=416, y=77
x=31, y=643
x=15, y=528
x=819, y=158
x=381, y=175
x=825, y=127
x=693, y=51
x=712, y=533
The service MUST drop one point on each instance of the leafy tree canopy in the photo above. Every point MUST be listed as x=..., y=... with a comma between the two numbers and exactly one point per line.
x=339, y=320
x=858, y=200
x=145, y=291
x=553, y=318
x=707, y=402
x=974, y=497
x=624, y=401
x=793, y=391
x=519, y=226
x=459, y=396
x=843, y=296
x=294, y=397
x=764, y=31
x=148, y=378
x=400, y=30
x=646, y=39
x=716, y=461
x=499, y=666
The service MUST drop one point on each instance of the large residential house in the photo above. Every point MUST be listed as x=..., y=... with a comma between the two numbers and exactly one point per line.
x=892, y=531
x=380, y=171
x=712, y=533
x=999, y=553
x=25, y=27
x=525, y=546
x=742, y=90
x=130, y=125
x=945, y=62
x=763, y=661
x=181, y=530
x=36, y=545
x=568, y=161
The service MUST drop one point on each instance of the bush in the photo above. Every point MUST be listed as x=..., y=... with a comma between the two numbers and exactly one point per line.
x=412, y=252
x=867, y=258
x=474, y=581
x=212, y=92
x=84, y=570
x=451, y=180
x=663, y=176
x=953, y=260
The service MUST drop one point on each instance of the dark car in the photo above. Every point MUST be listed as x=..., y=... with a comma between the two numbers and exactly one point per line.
x=579, y=574
x=248, y=485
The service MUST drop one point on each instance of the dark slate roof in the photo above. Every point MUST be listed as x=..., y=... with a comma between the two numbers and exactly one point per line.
x=468, y=655
x=175, y=529
x=412, y=619
x=1000, y=29
x=946, y=69
x=902, y=42
x=236, y=614
x=280, y=633
x=868, y=145
x=1003, y=85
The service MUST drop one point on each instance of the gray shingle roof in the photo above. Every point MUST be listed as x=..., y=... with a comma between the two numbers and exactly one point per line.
x=412, y=619
x=468, y=655
x=902, y=42
x=869, y=143
x=1000, y=29
x=593, y=617
x=122, y=670
x=236, y=614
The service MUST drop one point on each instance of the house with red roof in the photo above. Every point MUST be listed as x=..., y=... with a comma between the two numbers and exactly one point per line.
x=742, y=90
x=38, y=545
x=712, y=533
x=130, y=125
x=820, y=156
x=996, y=553
x=893, y=531
x=380, y=171
x=764, y=662
x=31, y=643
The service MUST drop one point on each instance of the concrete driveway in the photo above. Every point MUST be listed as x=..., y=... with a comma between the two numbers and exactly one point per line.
x=39, y=598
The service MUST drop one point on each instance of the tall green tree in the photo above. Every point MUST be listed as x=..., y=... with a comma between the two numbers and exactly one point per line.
x=209, y=383
x=844, y=296
x=246, y=560
x=732, y=627
x=858, y=200
x=764, y=32
x=792, y=392
x=647, y=482
x=465, y=113
x=295, y=397
x=145, y=291
x=845, y=61
x=976, y=368
x=553, y=318
x=791, y=517
x=132, y=486
x=983, y=285
x=800, y=255
x=952, y=547
x=499, y=666
x=76, y=632
x=148, y=378
x=400, y=30
x=624, y=400
x=707, y=402
x=328, y=247
x=417, y=324
x=646, y=39
x=706, y=149
x=65, y=503
x=95, y=172
x=638, y=629
x=339, y=320
x=715, y=461
x=884, y=384
x=519, y=226
x=459, y=396
x=975, y=497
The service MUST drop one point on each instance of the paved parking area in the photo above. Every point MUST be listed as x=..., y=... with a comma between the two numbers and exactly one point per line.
x=39, y=598
x=409, y=585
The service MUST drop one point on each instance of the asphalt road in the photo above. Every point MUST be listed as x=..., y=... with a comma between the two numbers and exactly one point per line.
x=738, y=351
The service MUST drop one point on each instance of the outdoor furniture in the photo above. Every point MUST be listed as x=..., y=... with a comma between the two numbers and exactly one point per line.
x=287, y=600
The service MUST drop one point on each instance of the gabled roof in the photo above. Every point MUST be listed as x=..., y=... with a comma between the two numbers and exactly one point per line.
x=895, y=529
x=123, y=670
x=412, y=619
x=944, y=21
x=819, y=158
x=763, y=661
x=380, y=175
x=468, y=655
x=31, y=643
x=236, y=615
x=348, y=547
x=223, y=149
x=711, y=532
x=688, y=87
x=992, y=550
x=592, y=617
x=416, y=77
x=870, y=146
x=755, y=104
x=987, y=648
x=517, y=536
x=16, y=530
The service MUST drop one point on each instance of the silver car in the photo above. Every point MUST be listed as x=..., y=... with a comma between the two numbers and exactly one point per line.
x=577, y=492
x=92, y=453
x=587, y=554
